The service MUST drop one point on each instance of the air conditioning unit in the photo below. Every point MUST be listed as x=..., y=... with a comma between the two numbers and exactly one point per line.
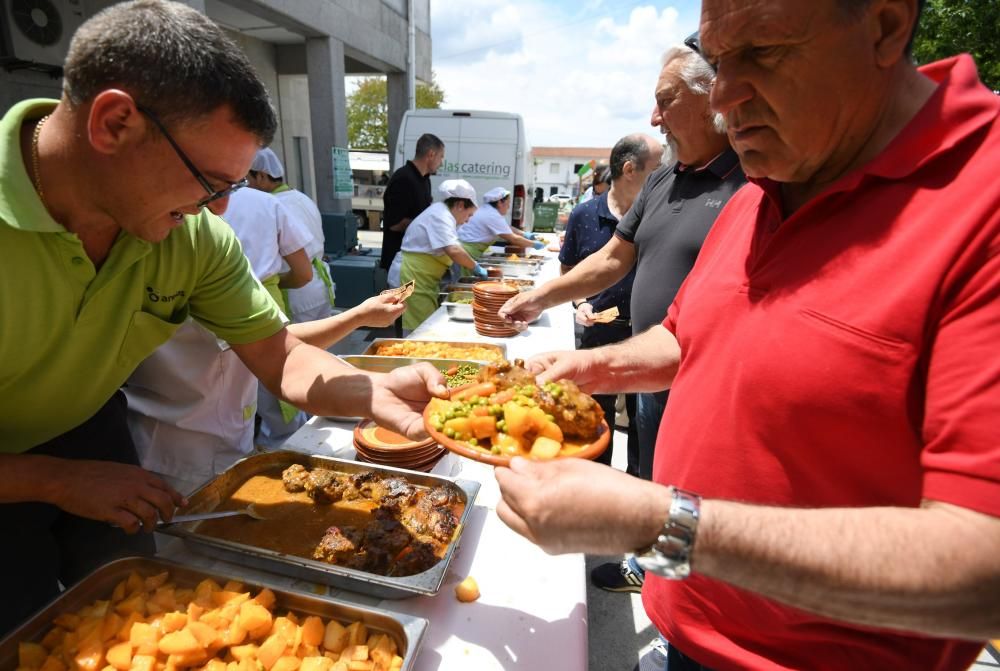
x=39, y=31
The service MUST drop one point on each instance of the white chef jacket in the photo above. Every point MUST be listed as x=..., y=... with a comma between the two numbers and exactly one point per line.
x=191, y=404
x=265, y=229
x=485, y=225
x=429, y=233
x=311, y=301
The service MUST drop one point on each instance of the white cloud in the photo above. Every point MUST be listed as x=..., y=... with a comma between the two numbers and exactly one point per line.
x=581, y=74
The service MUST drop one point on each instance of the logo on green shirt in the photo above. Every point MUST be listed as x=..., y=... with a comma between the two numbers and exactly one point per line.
x=160, y=298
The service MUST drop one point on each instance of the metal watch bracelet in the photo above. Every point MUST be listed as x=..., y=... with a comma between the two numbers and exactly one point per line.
x=670, y=555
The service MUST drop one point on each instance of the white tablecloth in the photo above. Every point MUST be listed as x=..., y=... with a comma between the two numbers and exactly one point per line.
x=533, y=610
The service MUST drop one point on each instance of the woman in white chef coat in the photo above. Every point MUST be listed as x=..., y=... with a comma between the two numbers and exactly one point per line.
x=429, y=248
x=489, y=223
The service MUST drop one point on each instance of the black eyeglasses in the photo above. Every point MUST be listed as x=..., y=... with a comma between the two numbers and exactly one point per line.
x=213, y=195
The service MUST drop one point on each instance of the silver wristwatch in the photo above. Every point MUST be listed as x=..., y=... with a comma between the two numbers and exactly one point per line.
x=670, y=555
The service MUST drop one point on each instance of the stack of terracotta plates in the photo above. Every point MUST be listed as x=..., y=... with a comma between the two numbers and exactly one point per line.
x=376, y=445
x=487, y=299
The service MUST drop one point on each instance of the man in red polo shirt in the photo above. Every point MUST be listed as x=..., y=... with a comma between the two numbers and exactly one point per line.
x=831, y=441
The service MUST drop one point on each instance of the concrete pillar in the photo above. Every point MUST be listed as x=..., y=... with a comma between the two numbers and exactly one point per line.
x=396, y=103
x=328, y=114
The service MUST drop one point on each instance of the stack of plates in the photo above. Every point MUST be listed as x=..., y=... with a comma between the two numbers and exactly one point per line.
x=376, y=445
x=487, y=299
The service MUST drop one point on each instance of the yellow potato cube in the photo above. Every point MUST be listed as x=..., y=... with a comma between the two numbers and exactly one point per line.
x=120, y=656
x=336, y=636
x=467, y=590
x=154, y=582
x=316, y=663
x=266, y=598
x=173, y=621
x=254, y=616
x=270, y=650
x=287, y=663
x=312, y=631
x=31, y=655
x=358, y=633
x=241, y=652
x=144, y=639
x=143, y=663
x=180, y=642
x=545, y=448
x=53, y=663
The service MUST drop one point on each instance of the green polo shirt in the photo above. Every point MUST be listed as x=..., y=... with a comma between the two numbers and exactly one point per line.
x=70, y=335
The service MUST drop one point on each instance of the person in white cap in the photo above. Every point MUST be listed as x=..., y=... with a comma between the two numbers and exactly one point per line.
x=429, y=248
x=489, y=223
x=315, y=299
x=312, y=301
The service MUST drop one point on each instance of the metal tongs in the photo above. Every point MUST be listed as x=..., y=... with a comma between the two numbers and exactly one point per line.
x=250, y=510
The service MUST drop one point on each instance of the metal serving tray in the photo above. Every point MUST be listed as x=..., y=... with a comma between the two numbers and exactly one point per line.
x=406, y=630
x=212, y=494
x=384, y=364
x=501, y=348
x=459, y=311
x=511, y=269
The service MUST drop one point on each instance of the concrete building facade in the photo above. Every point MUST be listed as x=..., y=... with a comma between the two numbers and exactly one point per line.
x=302, y=50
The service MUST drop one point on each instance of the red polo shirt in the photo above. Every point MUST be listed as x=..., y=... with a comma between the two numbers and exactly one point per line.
x=848, y=355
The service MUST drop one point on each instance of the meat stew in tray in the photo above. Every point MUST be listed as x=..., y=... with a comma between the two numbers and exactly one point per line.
x=399, y=522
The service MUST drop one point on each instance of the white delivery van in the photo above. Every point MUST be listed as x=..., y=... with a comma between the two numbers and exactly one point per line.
x=488, y=149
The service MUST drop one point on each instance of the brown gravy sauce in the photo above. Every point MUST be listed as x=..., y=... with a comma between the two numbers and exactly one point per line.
x=293, y=523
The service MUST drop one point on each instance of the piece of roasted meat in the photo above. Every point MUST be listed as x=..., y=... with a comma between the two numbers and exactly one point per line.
x=409, y=530
x=338, y=546
x=506, y=374
x=576, y=413
x=294, y=478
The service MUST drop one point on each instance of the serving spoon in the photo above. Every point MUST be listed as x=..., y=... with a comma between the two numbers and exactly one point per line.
x=250, y=510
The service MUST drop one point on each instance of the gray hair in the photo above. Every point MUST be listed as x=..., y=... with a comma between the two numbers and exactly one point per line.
x=171, y=59
x=697, y=74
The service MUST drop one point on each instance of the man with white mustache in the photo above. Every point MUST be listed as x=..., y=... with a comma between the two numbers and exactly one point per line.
x=659, y=236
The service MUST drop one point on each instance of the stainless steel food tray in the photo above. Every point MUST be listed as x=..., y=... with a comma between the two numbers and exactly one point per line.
x=459, y=311
x=384, y=364
x=406, y=630
x=212, y=494
x=501, y=348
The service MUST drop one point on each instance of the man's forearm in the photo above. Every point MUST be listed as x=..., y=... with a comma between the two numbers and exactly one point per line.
x=647, y=362
x=323, y=333
x=591, y=276
x=321, y=384
x=28, y=477
x=932, y=570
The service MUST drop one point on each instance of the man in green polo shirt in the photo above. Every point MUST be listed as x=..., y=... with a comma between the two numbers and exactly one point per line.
x=110, y=239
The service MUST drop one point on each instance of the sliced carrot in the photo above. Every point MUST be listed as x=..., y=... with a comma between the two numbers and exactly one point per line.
x=481, y=389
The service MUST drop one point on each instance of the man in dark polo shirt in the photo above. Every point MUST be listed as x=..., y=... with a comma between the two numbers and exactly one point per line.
x=659, y=238
x=408, y=194
x=591, y=225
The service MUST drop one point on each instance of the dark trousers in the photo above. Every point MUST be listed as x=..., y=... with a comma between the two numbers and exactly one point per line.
x=43, y=545
x=678, y=661
x=605, y=334
x=649, y=413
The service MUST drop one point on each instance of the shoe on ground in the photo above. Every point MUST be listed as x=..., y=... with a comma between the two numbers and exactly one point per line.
x=655, y=659
x=617, y=577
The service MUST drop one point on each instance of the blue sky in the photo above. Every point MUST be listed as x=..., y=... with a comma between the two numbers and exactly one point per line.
x=581, y=72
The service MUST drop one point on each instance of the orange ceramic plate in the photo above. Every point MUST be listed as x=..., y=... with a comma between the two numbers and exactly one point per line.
x=593, y=449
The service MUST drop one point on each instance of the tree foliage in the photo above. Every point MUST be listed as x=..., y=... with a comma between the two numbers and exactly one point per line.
x=949, y=27
x=368, y=111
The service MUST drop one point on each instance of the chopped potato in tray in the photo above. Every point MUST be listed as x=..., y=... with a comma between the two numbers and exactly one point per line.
x=149, y=624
